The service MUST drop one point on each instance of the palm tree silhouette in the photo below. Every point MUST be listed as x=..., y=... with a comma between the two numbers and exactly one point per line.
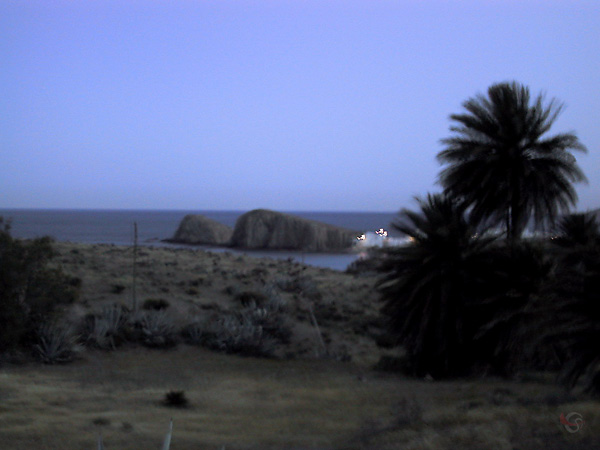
x=428, y=285
x=500, y=165
x=573, y=317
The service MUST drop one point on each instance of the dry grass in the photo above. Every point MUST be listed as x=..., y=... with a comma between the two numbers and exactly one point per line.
x=196, y=283
x=246, y=403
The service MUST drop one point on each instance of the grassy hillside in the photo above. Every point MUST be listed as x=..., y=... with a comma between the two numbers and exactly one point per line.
x=307, y=397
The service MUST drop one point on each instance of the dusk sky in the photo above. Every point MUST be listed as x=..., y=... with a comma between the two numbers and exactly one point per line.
x=290, y=105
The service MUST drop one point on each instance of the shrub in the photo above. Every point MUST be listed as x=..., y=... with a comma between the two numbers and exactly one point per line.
x=245, y=298
x=199, y=333
x=156, y=329
x=31, y=292
x=75, y=282
x=240, y=334
x=366, y=266
x=56, y=343
x=275, y=301
x=271, y=318
x=101, y=421
x=304, y=285
x=176, y=399
x=253, y=330
x=108, y=329
x=117, y=288
x=232, y=333
x=232, y=289
x=155, y=304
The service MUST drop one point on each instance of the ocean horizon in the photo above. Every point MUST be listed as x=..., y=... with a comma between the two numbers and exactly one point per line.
x=115, y=226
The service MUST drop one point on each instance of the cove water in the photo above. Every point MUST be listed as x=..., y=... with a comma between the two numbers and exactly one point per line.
x=116, y=227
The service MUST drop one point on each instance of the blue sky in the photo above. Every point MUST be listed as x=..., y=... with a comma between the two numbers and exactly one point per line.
x=289, y=105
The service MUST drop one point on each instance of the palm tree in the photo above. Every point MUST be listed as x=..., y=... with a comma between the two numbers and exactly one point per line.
x=578, y=230
x=502, y=168
x=428, y=285
x=570, y=315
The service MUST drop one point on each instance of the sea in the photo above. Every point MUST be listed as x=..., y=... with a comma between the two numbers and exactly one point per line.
x=116, y=227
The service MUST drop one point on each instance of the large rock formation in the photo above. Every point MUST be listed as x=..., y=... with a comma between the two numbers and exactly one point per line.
x=197, y=229
x=264, y=229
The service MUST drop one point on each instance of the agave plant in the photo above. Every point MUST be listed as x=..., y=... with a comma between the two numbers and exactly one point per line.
x=165, y=446
x=106, y=329
x=56, y=343
x=157, y=329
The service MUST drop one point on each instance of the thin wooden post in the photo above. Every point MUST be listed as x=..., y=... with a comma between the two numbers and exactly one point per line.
x=316, y=325
x=135, y=245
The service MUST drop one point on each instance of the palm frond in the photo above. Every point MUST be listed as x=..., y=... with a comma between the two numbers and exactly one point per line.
x=500, y=165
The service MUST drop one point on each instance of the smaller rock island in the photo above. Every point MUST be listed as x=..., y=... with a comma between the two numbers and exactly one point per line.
x=200, y=230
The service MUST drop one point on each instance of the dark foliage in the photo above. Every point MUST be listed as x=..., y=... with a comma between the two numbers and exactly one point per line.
x=246, y=298
x=30, y=290
x=578, y=231
x=117, y=288
x=499, y=163
x=505, y=313
x=155, y=329
x=176, y=399
x=459, y=301
x=155, y=304
x=56, y=343
x=429, y=286
x=109, y=328
x=570, y=319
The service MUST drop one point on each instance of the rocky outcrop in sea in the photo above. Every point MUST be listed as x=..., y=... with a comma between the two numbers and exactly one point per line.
x=266, y=229
x=197, y=229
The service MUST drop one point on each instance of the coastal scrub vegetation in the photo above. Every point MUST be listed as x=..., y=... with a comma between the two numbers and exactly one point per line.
x=32, y=294
x=469, y=292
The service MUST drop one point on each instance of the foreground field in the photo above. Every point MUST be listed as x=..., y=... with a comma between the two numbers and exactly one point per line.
x=245, y=403
x=320, y=392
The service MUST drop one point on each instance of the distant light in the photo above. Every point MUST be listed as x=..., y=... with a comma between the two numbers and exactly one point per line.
x=362, y=237
x=381, y=232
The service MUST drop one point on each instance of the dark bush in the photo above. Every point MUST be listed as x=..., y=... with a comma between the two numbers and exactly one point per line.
x=117, y=288
x=176, y=399
x=75, y=282
x=156, y=329
x=299, y=284
x=107, y=329
x=56, y=343
x=569, y=315
x=155, y=304
x=238, y=333
x=246, y=298
x=31, y=292
x=232, y=289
